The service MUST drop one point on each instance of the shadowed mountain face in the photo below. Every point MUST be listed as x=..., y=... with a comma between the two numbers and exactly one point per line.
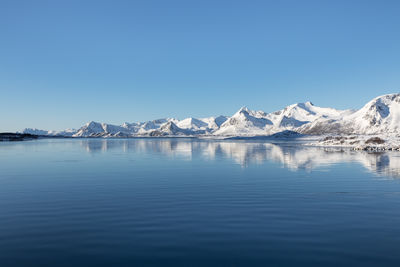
x=291, y=156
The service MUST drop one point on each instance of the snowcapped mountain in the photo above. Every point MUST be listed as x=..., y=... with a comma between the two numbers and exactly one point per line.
x=192, y=124
x=214, y=122
x=170, y=128
x=296, y=115
x=96, y=129
x=245, y=122
x=35, y=131
x=207, y=125
x=67, y=132
x=379, y=116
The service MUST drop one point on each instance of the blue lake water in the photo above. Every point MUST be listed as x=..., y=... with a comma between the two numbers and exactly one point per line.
x=183, y=202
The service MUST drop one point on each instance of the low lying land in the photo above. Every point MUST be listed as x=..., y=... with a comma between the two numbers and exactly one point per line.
x=17, y=137
x=360, y=142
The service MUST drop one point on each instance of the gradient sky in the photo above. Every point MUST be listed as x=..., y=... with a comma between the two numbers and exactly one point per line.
x=63, y=63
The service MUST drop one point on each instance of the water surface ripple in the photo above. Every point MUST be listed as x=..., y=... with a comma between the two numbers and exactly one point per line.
x=187, y=202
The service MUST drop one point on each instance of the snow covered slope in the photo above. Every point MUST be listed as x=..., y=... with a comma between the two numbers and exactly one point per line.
x=35, y=131
x=381, y=115
x=245, y=122
x=192, y=124
x=296, y=115
x=96, y=129
x=171, y=129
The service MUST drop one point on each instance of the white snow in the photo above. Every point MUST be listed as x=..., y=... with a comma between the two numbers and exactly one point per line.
x=381, y=115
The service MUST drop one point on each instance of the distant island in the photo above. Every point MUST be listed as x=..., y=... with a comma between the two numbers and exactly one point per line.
x=17, y=137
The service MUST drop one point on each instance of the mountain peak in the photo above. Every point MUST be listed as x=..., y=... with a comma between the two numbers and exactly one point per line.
x=244, y=108
x=309, y=103
x=303, y=105
x=92, y=123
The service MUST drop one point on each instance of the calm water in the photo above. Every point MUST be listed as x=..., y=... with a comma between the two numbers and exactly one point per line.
x=169, y=202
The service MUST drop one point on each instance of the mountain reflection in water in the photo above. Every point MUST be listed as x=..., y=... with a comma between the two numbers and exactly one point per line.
x=292, y=156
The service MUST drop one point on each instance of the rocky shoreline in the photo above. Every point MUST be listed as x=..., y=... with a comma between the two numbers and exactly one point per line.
x=360, y=142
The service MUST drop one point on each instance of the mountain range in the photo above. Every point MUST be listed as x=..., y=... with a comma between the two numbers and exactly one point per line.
x=381, y=115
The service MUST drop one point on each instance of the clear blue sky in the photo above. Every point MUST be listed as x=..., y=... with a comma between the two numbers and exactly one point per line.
x=63, y=63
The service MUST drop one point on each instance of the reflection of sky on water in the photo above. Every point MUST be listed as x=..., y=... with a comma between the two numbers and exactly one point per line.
x=245, y=153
